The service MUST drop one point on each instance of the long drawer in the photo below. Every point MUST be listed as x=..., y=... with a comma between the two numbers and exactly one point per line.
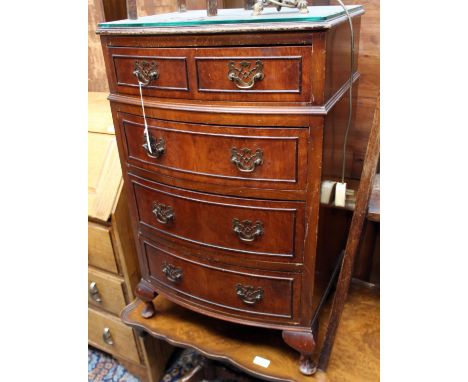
x=110, y=334
x=240, y=228
x=271, y=296
x=106, y=291
x=280, y=74
x=270, y=158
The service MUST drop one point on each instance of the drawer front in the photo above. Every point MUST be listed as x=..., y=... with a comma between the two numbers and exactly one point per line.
x=161, y=71
x=237, y=291
x=100, y=251
x=106, y=291
x=253, y=73
x=248, y=157
x=229, y=74
x=239, y=227
x=111, y=335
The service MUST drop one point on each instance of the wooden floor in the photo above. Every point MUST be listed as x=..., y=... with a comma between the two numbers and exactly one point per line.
x=356, y=354
x=355, y=357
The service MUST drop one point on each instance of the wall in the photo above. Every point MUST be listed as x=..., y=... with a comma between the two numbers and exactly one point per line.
x=97, y=81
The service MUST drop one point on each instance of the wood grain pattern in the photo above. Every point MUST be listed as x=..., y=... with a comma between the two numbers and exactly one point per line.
x=110, y=289
x=104, y=175
x=238, y=345
x=112, y=248
x=124, y=244
x=100, y=250
x=114, y=9
x=123, y=337
x=96, y=69
x=155, y=357
x=99, y=113
x=369, y=84
x=200, y=38
x=282, y=68
x=366, y=254
x=283, y=152
x=207, y=220
x=172, y=71
x=190, y=218
x=214, y=287
x=355, y=231
x=369, y=64
x=202, y=73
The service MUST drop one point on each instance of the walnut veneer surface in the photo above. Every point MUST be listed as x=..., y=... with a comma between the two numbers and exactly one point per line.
x=224, y=200
x=355, y=358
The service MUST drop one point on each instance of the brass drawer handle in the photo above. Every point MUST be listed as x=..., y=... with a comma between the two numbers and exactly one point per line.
x=164, y=214
x=248, y=294
x=243, y=76
x=107, y=336
x=172, y=272
x=94, y=292
x=158, y=147
x=245, y=161
x=146, y=72
x=246, y=230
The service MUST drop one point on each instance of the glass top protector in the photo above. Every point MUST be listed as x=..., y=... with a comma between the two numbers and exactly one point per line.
x=232, y=16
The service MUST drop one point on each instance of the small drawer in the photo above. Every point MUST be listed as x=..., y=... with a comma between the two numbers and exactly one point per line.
x=254, y=73
x=271, y=230
x=106, y=291
x=110, y=334
x=246, y=74
x=162, y=72
x=234, y=290
x=100, y=250
x=247, y=157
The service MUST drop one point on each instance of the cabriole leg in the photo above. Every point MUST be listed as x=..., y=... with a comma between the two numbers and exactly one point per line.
x=146, y=293
x=304, y=343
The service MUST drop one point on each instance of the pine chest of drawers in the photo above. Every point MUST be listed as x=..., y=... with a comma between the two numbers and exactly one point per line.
x=225, y=198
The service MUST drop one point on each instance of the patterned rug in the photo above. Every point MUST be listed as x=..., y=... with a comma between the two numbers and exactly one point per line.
x=103, y=368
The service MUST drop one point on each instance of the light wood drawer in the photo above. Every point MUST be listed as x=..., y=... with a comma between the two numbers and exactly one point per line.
x=106, y=291
x=122, y=337
x=100, y=251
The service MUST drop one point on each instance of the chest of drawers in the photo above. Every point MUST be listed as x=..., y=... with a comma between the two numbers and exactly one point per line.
x=225, y=198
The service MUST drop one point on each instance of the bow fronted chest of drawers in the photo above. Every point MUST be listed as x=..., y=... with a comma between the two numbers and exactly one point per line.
x=225, y=198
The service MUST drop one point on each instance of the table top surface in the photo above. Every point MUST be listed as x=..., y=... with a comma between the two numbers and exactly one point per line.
x=239, y=344
x=317, y=14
